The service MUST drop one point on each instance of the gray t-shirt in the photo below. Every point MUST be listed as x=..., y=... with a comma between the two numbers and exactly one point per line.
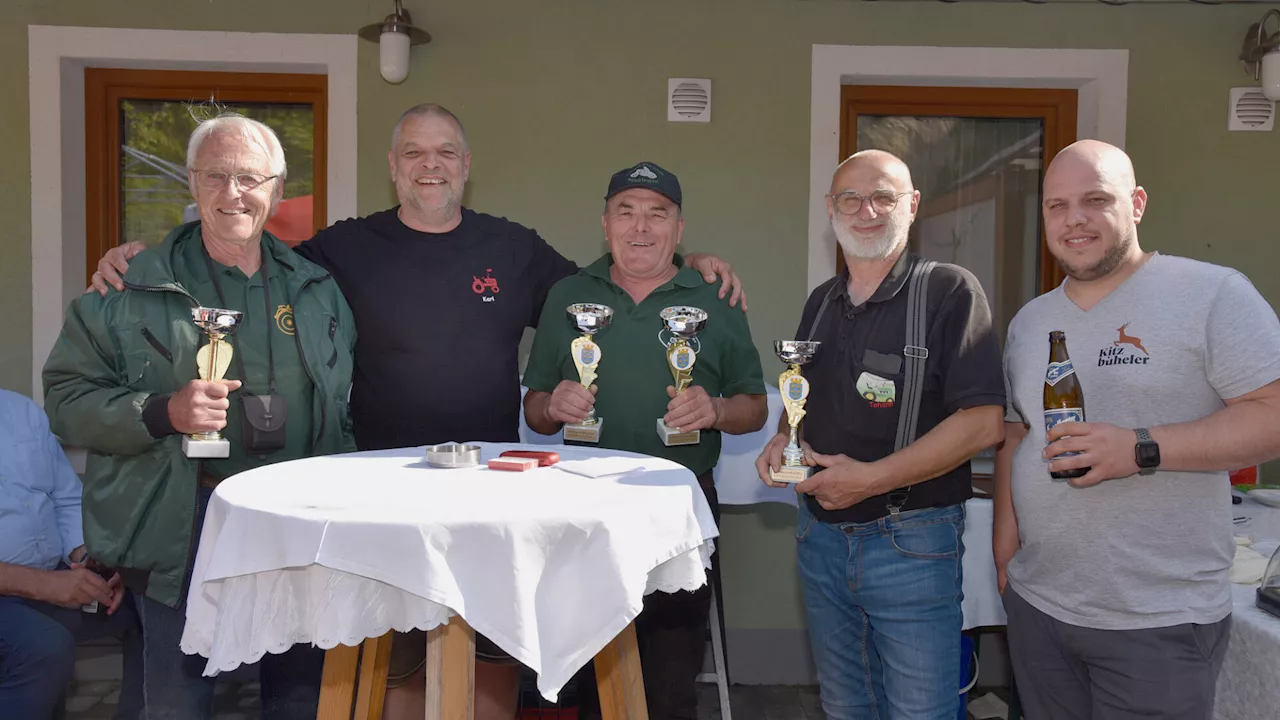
x=1167, y=346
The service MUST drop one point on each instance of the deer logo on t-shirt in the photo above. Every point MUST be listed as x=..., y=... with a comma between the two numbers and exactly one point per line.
x=1126, y=339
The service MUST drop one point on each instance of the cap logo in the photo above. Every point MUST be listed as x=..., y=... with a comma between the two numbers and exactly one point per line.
x=644, y=171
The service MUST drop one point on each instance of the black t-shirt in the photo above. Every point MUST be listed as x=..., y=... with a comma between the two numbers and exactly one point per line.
x=439, y=317
x=858, y=370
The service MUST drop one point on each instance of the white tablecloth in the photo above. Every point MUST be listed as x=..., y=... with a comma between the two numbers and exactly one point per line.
x=1249, y=686
x=737, y=483
x=549, y=565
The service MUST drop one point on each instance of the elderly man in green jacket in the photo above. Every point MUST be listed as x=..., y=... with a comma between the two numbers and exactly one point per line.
x=122, y=381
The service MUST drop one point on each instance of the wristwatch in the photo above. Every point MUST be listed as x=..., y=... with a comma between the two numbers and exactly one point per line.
x=1146, y=453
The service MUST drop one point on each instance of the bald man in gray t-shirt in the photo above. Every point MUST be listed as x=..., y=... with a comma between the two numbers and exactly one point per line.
x=1117, y=590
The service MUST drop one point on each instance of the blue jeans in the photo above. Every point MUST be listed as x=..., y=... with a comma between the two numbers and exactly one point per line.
x=38, y=656
x=882, y=600
x=175, y=689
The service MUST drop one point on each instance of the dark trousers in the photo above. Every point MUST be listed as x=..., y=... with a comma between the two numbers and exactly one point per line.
x=38, y=655
x=1067, y=672
x=671, y=632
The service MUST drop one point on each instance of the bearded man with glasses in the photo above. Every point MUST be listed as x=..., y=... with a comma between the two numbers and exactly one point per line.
x=907, y=351
x=120, y=381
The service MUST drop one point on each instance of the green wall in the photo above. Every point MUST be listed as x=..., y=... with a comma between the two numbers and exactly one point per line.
x=557, y=94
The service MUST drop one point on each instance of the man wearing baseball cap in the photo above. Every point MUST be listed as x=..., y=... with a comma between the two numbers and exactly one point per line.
x=639, y=277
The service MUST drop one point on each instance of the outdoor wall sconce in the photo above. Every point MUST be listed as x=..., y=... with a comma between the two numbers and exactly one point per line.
x=1261, y=55
x=394, y=35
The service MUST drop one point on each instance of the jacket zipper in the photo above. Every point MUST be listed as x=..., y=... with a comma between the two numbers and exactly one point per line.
x=333, y=331
x=155, y=343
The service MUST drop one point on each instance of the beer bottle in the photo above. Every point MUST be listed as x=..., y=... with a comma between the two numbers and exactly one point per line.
x=96, y=611
x=1063, y=398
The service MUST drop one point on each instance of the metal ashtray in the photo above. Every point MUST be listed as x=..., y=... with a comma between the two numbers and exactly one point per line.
x=453, y=455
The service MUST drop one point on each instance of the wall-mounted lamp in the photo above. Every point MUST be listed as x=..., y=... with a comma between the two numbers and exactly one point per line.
x=1261, y=55
x=394, y=35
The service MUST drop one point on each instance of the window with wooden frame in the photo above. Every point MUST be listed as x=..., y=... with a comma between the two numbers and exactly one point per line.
x=136, y=127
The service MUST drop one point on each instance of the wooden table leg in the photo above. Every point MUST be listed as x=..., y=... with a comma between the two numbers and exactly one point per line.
x=618, y=678
x=451, y=671
x=338, y=683
x=375, y=661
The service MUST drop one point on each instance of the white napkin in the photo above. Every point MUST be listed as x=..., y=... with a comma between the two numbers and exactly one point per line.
x=602, y=466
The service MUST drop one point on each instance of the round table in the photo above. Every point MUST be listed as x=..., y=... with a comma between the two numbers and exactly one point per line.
x=550, y=564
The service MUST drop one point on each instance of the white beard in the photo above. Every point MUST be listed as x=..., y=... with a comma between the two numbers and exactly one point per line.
x=873, y=248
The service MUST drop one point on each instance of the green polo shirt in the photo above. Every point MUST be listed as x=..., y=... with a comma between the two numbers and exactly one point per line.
x=633, y=370
x=248, y=343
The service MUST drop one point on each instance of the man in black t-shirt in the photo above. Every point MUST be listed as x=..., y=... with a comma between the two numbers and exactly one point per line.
x=441, y=296
x=879, y=532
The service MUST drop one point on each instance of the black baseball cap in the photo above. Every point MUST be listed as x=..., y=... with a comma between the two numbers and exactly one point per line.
x=649, y=176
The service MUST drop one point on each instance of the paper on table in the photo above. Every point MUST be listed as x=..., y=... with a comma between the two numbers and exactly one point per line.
x=603, y=466
x=1248, y=566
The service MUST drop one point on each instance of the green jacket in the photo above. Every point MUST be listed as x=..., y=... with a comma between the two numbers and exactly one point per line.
x=140, y=492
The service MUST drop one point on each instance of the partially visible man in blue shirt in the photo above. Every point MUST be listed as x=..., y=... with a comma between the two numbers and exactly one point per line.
x=44, y=583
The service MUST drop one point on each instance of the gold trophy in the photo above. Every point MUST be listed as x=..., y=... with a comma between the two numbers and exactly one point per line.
x=212, y=362
x=684, y=323
x=795, y=390
x=590, y=318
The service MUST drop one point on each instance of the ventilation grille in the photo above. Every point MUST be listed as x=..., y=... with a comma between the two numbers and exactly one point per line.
x=688, y=100
x=1250, y=110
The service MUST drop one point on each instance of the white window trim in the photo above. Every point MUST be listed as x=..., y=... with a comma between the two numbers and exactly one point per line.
x=56, y=59
x=1100, y=76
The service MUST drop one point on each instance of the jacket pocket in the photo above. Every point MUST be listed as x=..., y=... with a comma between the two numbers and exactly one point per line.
x=154, y=342
x=333, y=342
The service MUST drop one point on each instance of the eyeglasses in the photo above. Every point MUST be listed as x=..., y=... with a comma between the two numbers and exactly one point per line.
x=217, y=179
x=882, y=201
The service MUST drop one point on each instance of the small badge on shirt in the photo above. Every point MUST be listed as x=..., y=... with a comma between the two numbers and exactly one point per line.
x=877, y=391
x=284, y=319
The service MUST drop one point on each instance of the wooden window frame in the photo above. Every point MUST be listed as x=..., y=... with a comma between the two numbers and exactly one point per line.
x=104, y=88
x=1055, y=108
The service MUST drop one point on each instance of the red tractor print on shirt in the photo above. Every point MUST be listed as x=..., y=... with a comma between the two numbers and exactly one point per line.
x=485, y=283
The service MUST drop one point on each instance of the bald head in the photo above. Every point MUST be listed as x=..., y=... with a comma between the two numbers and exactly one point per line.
x=872, y=165
x=1101, y=162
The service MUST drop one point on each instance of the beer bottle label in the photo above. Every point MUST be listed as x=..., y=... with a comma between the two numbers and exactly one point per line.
x=1061, y=415
x=1057, y=371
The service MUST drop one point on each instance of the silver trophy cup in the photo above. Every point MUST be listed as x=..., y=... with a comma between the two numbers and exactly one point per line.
x=683, y=323
x=794, y=388
x=589, y=318
x=212, y=362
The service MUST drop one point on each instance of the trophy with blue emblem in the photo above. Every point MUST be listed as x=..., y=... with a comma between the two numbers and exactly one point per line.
x=795, y=390
x=683, y=324
x=589, y=318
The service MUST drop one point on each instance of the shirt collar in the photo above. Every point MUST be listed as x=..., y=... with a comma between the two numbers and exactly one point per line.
x=889, y=287
x=686, y=276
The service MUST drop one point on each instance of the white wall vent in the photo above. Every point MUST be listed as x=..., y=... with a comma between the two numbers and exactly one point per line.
x=688, y=100
x=1251, y=110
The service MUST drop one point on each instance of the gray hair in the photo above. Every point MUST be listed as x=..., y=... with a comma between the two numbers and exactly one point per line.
x=234, y=123
x=428, y=110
